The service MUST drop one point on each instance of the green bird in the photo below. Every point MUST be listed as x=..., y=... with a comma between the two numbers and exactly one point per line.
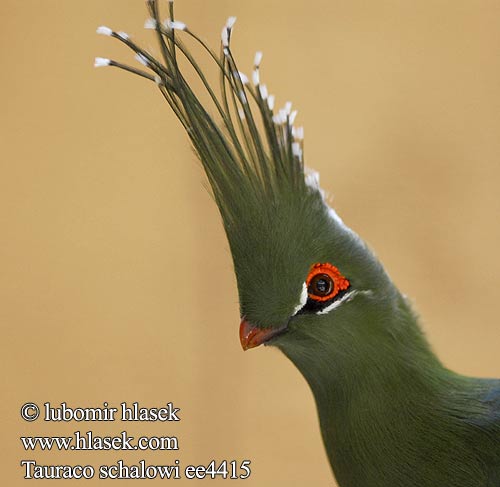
x=391, y=414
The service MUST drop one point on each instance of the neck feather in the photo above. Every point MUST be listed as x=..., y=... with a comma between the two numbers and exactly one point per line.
x=379, y=394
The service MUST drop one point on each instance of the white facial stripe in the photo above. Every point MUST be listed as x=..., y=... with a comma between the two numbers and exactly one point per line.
x=346, y=297
x=302, y=301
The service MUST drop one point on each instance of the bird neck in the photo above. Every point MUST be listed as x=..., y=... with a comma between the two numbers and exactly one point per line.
x=396, y=356
x=376, y=395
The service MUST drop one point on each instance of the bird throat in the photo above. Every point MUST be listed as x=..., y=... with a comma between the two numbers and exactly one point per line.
x=371, y=401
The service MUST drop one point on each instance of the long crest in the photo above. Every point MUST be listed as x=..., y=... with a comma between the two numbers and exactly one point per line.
x=249, y=150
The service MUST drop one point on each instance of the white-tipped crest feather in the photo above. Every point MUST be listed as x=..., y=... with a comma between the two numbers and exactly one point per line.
x=150, y=23
x=142, y=59
x=177, y=25
x=296, y=150
x=104, y=31
x=243, y=77
x=298, y=133
x=230, y=22
x=257, y=59
x=255, y=77
x=224, y=35
x=101, y=61
x=311, y=178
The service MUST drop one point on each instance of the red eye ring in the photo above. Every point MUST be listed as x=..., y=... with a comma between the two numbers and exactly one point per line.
x=328, y=275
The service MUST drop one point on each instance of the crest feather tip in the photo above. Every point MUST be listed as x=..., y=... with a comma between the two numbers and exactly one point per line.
x=101, y=61
x=104, y=31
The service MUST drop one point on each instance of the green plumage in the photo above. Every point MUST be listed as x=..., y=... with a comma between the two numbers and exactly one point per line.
x=391, y=415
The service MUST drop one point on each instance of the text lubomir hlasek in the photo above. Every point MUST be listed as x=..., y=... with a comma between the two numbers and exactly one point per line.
x=133, y=412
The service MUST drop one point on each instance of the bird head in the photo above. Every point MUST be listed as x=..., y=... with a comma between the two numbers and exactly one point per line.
x=298, y=266
x=304, y=278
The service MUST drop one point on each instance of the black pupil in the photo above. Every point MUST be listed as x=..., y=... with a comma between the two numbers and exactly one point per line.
x=321, y=285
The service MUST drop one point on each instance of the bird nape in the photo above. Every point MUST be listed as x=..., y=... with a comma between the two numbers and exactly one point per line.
x=391, y=414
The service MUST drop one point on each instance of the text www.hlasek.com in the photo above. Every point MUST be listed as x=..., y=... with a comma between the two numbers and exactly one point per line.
x=88, y=441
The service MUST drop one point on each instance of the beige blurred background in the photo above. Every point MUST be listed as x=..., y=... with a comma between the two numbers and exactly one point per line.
x=116, y=281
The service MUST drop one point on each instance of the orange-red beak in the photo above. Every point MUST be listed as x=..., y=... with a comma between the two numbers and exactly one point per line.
x=251, y=336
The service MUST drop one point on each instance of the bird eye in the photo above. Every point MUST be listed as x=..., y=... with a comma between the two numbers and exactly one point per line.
x=324, y=282
x=321, y=285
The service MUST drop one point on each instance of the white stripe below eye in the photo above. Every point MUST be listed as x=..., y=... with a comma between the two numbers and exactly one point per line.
x=346, y=297
x=303, y=300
